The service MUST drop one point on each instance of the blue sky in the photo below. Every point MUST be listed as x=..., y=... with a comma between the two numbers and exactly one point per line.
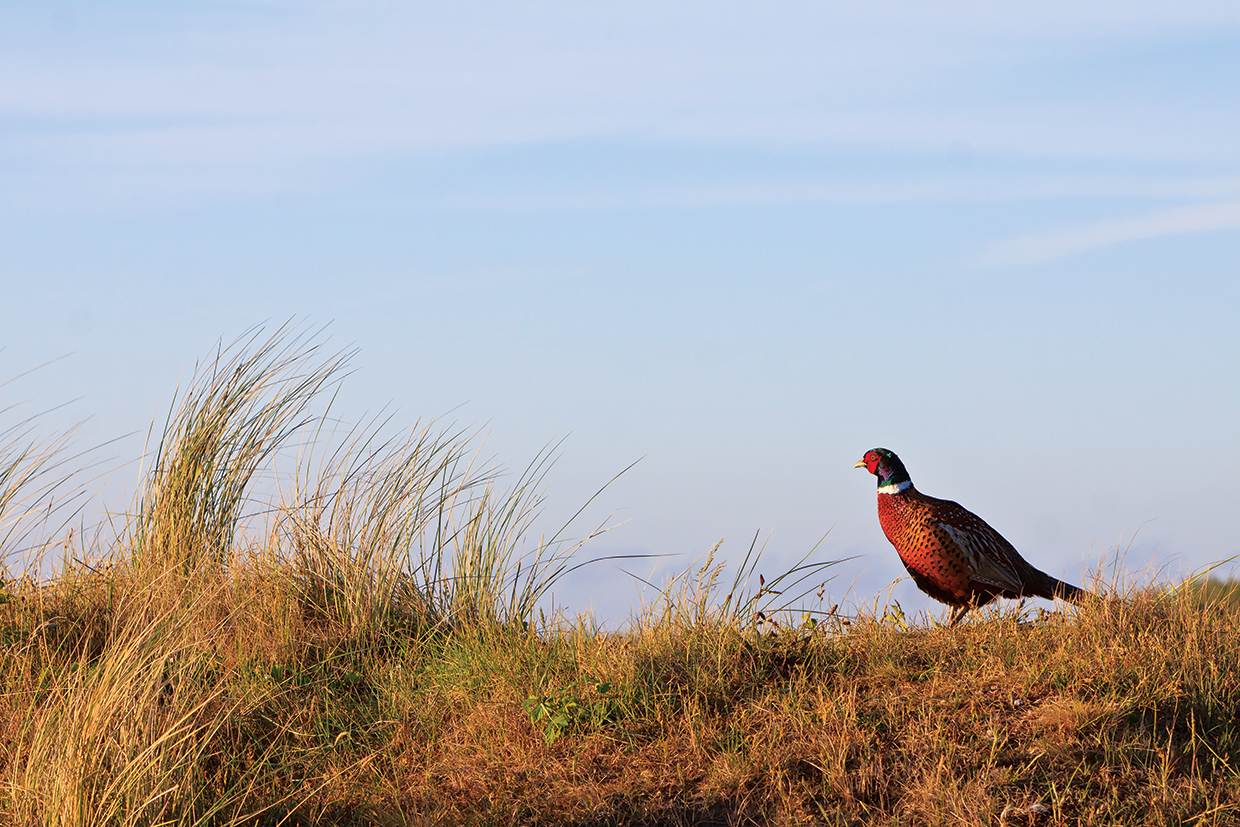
x=743, y=242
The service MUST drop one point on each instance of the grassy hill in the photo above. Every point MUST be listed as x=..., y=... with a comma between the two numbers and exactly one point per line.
x=365, y=648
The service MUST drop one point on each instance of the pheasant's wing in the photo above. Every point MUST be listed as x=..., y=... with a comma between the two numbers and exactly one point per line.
x=993, y=561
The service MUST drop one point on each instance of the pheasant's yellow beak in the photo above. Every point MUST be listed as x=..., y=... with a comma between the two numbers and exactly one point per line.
x=860, y=463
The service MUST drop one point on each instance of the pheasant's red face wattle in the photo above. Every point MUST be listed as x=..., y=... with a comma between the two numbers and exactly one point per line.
x=870, y=462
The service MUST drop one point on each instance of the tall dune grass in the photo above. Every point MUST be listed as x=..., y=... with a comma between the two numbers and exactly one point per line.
x=126, y=687
x=38, y=487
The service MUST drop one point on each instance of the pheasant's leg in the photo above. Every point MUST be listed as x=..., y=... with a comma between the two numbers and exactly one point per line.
x=959, y=614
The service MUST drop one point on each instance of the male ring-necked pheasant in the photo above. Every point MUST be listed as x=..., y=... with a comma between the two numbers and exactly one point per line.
x=952, y=554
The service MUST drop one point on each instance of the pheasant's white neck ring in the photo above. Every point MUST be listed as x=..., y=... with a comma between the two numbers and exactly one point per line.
x=895, y=487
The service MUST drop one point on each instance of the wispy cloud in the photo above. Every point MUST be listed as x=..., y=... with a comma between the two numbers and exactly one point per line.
x=997, y=186
x=1035, y=249
x=208, y=100
x=364, y=77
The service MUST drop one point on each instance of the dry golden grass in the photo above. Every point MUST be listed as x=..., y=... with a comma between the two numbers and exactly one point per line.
x=369, y=651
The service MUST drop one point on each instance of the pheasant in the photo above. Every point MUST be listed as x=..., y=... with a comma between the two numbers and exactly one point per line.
x=952, y=554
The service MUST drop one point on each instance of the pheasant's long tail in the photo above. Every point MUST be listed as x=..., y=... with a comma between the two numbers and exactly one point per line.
x=1067, y=591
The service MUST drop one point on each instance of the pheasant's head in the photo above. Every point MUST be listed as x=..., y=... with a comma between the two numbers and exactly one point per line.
x=887, y=467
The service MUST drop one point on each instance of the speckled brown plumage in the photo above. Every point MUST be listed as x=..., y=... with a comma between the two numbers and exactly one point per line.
x=951, y=553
